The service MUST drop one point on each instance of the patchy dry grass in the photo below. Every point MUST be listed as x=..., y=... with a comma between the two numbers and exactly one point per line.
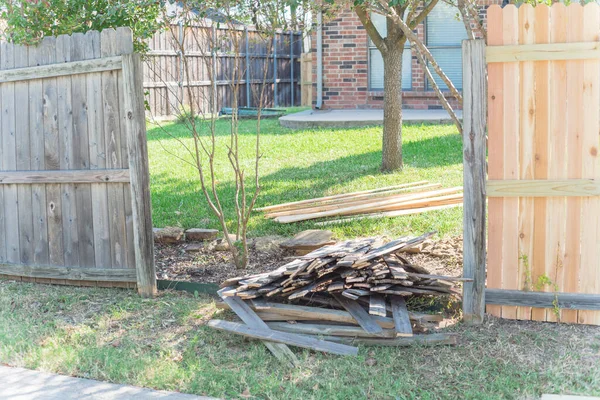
x=114, y=335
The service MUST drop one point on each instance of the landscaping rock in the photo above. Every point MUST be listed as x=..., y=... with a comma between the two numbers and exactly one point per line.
x=169, y=235
x=268, y=244
x=221, y=244
x=200, y=235
x=307, y=241
x=194, y=248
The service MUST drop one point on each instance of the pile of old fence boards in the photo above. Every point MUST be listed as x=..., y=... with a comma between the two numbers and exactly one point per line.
x=361, y=282
x=392, y=201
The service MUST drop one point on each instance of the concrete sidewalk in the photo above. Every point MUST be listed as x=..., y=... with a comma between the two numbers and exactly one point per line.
x=358, y=118
x=22, y=384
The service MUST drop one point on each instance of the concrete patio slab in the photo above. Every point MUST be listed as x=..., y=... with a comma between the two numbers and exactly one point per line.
x=358, y=118
x=22, y=384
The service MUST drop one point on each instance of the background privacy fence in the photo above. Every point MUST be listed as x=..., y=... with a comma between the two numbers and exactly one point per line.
x=208, y=48
x=74, y=194
x=543, y=191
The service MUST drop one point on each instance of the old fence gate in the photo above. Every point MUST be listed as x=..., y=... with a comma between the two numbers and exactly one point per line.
x=74, y=185
x=543, y=188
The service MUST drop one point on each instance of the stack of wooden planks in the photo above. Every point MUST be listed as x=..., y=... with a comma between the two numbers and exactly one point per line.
x=350, y=292
x=392, y=201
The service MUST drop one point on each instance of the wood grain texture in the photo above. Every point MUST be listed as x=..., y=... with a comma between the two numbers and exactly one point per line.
x=246, y=314
x=285, y=338
x=566, y=301
x=572, y=259
x=543, y=52
x=64, y=176
x=69, y=273
x=544, y=187
x=401, y=317
x=474, y=160
x=589, y=277
x=135, y=130
x=359, y=314
x=60, y=69
x=496, y=131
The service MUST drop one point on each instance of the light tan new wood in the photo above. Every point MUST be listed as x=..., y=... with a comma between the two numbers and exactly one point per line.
x=296, y=204
x=66, y=176
x=543, y=52
x=62, y=69
x=342, y=203
x=415, y=201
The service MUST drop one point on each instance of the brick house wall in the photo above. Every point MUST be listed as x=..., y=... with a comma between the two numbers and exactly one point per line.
x=346, y=63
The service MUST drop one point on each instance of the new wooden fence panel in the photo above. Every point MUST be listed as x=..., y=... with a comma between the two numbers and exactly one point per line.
x=545, y=116
x=66, y=146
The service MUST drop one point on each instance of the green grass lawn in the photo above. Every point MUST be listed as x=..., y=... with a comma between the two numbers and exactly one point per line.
x=114, y=335
x=301, y=164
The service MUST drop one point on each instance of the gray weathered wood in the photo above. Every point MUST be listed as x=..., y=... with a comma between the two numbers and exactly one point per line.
x=328, y=330
x=359, y=314
x=140, y=179
x=569, y=301
x=377, y=305
x=401, y=316
x=64, y=176
x=281, y=351
x=286, y=338
x=474, y=178
x=434, y=339
x=62, y=69
x=69, y=273
x=81, y=156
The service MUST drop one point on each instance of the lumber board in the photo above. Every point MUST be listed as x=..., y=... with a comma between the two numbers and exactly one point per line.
x=69, y=273
x=285, y=338
x=339, y=196
x=390, y=214
x=359, y=314
x=567, y=301
x=328, y=330
x=543, y=188
x=474, y=175
x=401, y=317
x=64, y=176
x=543, y=52
x=249, y=317
x=434, y=339
x=62, y=69
x=377, y=305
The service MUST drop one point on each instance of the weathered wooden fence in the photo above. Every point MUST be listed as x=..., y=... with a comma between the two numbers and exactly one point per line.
x=74, y=186
x=209, y=48
x=543, y=188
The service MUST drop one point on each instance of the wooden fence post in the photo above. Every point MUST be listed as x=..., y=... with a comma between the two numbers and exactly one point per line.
x=474, y=165
x=135, y=126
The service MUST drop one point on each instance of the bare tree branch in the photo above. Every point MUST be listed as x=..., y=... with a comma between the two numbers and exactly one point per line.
x=372, y=31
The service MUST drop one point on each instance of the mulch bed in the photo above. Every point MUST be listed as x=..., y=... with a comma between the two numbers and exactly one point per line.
x=442, y=257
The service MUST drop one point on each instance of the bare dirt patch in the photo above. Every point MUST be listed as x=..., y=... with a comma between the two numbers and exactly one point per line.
x=441, y=257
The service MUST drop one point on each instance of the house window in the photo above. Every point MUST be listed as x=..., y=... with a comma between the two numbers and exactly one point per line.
x=445, y=33
x=376, y=60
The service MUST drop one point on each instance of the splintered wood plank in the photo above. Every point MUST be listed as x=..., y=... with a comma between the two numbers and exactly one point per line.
x=526, y=154
x=81, y=156
x=324, y=329
x=495, y=156
x=542, y=126
x=433, y=339
x=112, y=138
x=97, y=149
x=557, y=168
x=359, y=314
x=36, y=141
x=9, y=157
x=510, y=241
x=23, y=143
x=590, y=231
x=401, y=316
x=285, y=338
x=574, y=126
x=281, y=351
x=66, y=147
x=125, y=46
x=377, y=305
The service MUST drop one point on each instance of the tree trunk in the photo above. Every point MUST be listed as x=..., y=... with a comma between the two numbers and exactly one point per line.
x=392, y=107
